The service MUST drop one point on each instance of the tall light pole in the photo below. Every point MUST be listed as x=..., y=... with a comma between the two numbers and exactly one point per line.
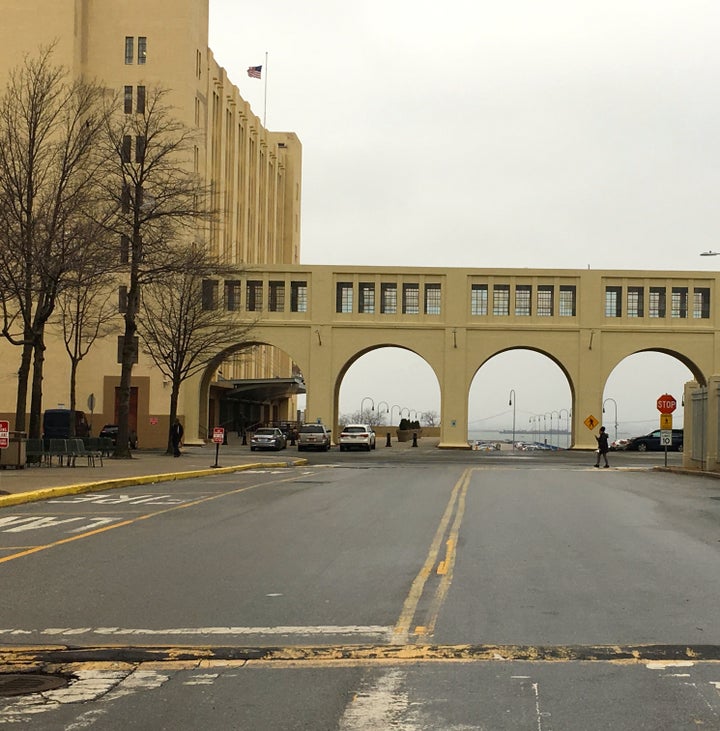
x=394, y=406
x=380, y=412
x=511, y=402
x=567, y=425
x=362, y=404
x=557, y=426
x=615, y=405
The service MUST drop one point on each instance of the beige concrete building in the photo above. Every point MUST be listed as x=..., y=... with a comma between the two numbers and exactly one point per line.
x=255, y=174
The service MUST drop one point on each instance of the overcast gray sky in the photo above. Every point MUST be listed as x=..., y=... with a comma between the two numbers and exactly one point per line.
x=558, y=134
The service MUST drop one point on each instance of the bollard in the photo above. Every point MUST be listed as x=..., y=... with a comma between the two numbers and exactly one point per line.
x=387, y=440
x=414, y=439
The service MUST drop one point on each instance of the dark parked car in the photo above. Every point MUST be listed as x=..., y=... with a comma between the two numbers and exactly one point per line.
x=110, y=431
x=268, y=438
x=651, y=442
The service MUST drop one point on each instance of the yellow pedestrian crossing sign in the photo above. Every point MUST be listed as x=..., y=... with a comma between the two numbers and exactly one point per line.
x=666, y=421
x=591, y=422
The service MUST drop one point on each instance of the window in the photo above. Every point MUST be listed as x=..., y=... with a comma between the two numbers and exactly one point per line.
x=129, y=49
x=679, y=304
x=344, y=297
x=276, y=297
x=501, y=299
x=411, y=299
x=209, y=294
x=545, y=300
x=432, y=299
x=479, y=299
x=128, y=100
x=367, y=298
x=142, y=49
x=635, y=302
x=613, y=301
x=523, y=297
x=140, y=106
x=657, y=302
x=124, y=249
x=125, y=198
x=126, y=148
x=388, y=295
x=232, y=295
x=701, y=302
x=298, y=296
x=122, y=298
x=254, y=295
x=567, y=300
x=140, y=148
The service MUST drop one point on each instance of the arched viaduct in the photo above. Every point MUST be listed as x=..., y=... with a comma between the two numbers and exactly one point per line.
x=587, y=322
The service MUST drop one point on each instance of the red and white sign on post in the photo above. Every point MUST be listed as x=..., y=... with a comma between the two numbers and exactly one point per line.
x=4, y=434
x=666, y=404
x=218, y=435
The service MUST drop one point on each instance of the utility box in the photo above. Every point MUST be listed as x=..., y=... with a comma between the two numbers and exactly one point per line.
x=14, y=454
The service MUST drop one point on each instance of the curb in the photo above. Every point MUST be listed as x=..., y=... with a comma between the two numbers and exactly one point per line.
x=21, y=498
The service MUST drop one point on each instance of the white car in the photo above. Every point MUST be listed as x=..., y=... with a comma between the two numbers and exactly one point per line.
x=357, y=435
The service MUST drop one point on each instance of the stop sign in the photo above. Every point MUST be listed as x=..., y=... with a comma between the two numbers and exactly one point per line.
x=666, y=404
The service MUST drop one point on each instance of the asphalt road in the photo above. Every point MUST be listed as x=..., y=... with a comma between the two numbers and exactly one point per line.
x=370, y=591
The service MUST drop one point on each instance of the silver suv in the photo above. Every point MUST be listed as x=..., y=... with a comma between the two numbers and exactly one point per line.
x=313, y=436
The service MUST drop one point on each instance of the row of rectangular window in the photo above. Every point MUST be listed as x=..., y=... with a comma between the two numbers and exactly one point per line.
x=543, y=303
x=254, y=295
x=409, y=300
x=653, y=302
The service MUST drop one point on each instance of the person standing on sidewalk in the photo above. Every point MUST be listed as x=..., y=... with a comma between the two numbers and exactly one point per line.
x=176, y=435
x=603, y=448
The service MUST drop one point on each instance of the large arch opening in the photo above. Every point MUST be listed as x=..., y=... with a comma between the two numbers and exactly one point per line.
x=633, y=387
x=248, y=385
x=523, y=397
x=385, y=384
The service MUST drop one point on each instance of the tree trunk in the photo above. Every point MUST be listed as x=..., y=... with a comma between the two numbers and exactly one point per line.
x=73, y=396
x=35, y=426
x=22, y=389
x=174, y=394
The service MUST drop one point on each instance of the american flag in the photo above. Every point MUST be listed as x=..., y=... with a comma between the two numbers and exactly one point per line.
x=254, y=72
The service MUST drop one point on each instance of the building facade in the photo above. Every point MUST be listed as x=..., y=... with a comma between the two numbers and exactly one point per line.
x=254, y=176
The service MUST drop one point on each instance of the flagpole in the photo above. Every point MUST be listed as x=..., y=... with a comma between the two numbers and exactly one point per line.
x=265, y=96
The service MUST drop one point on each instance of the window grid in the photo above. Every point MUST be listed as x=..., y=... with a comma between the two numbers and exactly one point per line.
x=298, y=296
x=701, y=302
x=432, y=299
x=276, y=297
x=128, y=100
x=367, y=298
x=129, y=49
x=567, y=301
x=479, y=299
x=344, y=297
x=253, y=295
x=635, y=302
x=232, y=295
x=142, y=50
x=545, y=300
x=501, y=299
x=210, y=294
x=411, y=299
x=679, y=302
x=613, y=304
x=657, y=302
x=388, y=295
x=523, y=297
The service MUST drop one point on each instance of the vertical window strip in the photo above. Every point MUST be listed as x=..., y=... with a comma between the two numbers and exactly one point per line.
x=388, y=304
x=232, y=295
x=523, y=297
x=567, y=300
x=142, y=50
x=433, y=294
x=411, y=299
x=367, y=298
x=254, y=295
x=501, y=300
x=613, y=304
x=479, y=299
x=276, y=301
x=298, y=296
x=129, y=49
x=344, y=297
x=679, y=302
x=657, y=302
x=128, y=100
x=635, y=302
x=545, y=300
x=701, y=302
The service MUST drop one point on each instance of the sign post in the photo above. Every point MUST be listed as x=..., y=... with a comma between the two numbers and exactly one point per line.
x=218, y=439
x=666, y=404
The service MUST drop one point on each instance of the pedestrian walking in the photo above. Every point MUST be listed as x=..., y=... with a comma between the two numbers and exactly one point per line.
x=603, y=448
x=176, y=435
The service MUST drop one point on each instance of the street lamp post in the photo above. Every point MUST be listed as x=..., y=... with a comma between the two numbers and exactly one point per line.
x=557, y=426
x=511, y=402
x=387, y=408
x=362, y=405
x=567, y=425
x=616, y=419
x=394, y=406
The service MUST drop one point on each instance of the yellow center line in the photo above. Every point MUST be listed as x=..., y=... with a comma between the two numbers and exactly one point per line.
x=409, y=609
x=131, y=521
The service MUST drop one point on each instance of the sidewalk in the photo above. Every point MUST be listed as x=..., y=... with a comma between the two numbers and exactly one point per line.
x=38, y=482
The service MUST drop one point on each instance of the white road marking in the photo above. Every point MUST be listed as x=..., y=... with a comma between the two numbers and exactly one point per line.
x=20, y=524
x=98, y=498
x=380, y=707
x=374, y=630
x=662, y=665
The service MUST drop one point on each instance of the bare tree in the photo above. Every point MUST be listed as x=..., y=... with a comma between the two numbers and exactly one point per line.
x=183, y=327
x=158, y=203
x=48, y=128
x=430, y=418
x=371, y=417
x=86, y=311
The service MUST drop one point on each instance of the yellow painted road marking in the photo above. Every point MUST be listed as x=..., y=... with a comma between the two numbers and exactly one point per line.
x=131, y=521
x=409, y=609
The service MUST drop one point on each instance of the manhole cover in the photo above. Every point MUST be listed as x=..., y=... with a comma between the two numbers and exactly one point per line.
x=25, y=683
